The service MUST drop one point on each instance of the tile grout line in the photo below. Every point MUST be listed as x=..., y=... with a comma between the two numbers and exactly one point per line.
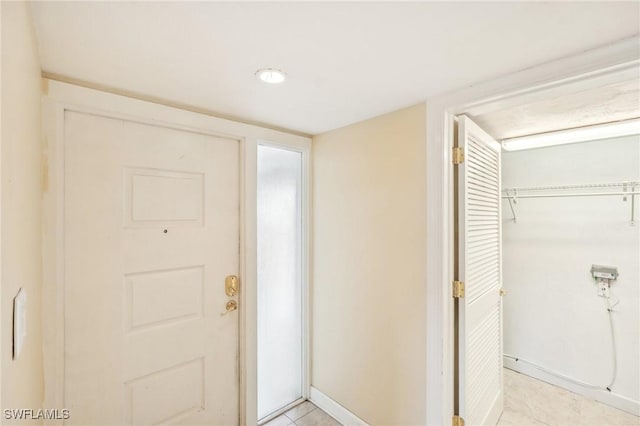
x=304, y=415
x=288, y=416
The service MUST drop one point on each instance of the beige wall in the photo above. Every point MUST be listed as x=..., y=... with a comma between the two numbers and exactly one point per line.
x=369, y=254
x=22, y=379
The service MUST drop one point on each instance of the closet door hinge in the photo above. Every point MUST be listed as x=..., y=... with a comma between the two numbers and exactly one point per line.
x=458, y=155
x=458, y=289
x=457, y=421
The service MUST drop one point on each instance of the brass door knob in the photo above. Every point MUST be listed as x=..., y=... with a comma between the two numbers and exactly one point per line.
x=230, y=306
x=503, y=292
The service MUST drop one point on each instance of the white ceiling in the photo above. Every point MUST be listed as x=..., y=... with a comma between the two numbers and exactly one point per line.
x=346, y=61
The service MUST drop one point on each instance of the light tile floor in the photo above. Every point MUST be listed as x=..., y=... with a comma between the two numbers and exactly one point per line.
x=531, y=402
x=305, y=414
x=527, y=402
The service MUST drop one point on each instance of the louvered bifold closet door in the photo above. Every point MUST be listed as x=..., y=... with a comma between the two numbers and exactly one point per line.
x=480, y=268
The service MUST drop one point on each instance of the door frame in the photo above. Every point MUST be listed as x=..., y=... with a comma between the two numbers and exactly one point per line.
x=59, y=97
x=588, y=69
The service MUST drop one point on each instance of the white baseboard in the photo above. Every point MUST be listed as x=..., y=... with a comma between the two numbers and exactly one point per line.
x=334, y=409
x=610, y=398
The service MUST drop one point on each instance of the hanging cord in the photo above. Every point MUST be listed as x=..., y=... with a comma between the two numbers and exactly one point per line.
x=614, y=355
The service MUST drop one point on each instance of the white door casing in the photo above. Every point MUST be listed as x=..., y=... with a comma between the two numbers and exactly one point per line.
x=480, y=268
x=151, y=231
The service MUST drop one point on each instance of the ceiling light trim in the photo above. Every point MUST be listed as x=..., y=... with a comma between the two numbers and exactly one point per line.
x=271, y=75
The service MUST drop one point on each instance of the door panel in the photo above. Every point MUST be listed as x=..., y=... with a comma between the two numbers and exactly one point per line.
x=480, y=268
x=151, y=232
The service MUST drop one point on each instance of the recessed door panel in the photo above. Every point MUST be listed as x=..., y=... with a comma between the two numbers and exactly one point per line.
x=167, y=395
x=163, y=196
x=156, y=298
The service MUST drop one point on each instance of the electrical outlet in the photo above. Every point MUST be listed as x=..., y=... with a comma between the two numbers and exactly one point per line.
x=603, y=289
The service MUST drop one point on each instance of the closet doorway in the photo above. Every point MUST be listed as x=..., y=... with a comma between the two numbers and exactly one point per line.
x=282, y=308
x=548, y=260
x=556, y=95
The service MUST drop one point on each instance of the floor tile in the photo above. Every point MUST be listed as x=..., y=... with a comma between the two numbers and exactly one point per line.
x=528, y=402
x=281, y=420
x=317, y=418
x=594, y=413
x=514, y=418
x=300, y=410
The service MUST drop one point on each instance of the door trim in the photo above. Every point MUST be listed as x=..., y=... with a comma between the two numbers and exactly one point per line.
x=59, y=97
x=587, y=69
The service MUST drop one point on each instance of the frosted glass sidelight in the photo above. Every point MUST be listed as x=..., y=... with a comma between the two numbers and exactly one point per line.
x=279, y=278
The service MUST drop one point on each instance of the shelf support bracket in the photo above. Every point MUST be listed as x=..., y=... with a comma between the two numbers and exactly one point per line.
x=512, y=200
x=632, y=194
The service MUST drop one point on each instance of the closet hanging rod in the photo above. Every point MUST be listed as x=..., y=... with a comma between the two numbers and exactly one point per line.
x=585, y=194
x=628, y=190
x=629, y=184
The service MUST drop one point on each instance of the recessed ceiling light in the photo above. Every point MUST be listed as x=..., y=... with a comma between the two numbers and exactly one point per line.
x=271, y=75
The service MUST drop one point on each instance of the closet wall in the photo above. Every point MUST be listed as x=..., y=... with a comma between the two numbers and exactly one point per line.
x=552, y=313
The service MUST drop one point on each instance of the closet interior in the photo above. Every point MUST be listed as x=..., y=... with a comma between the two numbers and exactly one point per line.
x=571, y=257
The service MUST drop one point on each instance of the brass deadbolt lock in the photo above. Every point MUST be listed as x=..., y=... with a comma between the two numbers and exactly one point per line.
x=231, y=284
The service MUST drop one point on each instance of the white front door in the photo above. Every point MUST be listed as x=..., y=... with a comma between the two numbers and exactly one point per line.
x=151, y=232
x=480, y=268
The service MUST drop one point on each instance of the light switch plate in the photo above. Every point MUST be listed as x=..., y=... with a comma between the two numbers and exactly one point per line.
x=19, y=322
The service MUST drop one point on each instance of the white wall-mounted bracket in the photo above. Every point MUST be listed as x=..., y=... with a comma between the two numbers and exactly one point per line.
x=19, y=322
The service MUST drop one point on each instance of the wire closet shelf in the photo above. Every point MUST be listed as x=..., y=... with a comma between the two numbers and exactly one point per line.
x=627, y=190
